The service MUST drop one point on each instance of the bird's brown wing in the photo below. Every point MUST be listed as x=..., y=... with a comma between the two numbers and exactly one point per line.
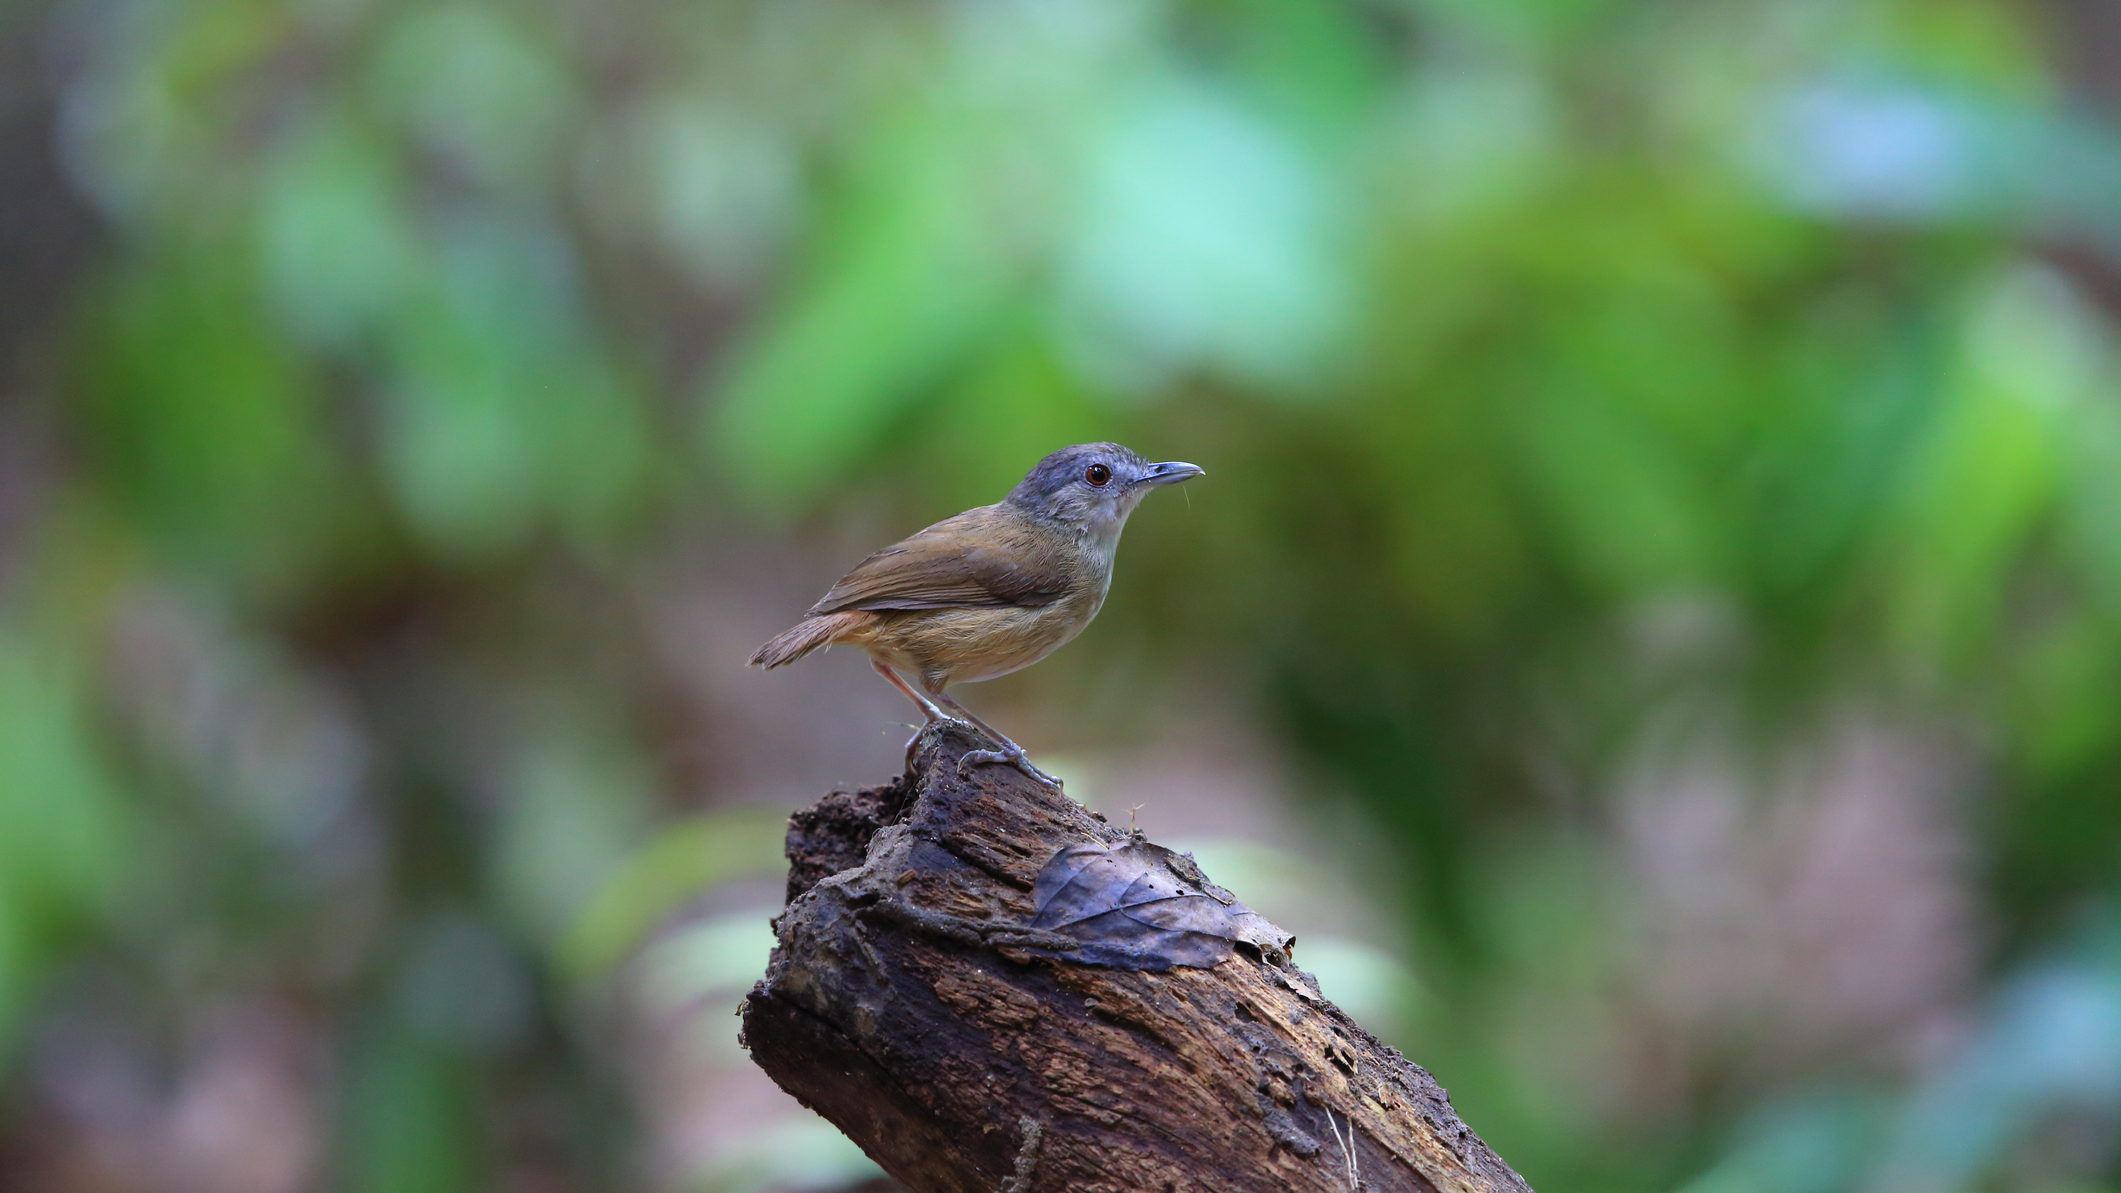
x=982, y=558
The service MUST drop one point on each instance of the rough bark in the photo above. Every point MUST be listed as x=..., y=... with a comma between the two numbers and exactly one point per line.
x=907, y=1003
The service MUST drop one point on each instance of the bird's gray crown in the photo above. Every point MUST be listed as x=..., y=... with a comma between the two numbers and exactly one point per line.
x=1092, y=487
x=1062, y=479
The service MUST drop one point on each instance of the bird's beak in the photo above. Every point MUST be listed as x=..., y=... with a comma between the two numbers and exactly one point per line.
x=1171, y=473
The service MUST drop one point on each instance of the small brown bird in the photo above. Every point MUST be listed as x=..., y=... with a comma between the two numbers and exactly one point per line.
x=990, y=591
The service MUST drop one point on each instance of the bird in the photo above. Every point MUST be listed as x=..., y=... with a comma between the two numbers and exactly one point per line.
x=988, y=591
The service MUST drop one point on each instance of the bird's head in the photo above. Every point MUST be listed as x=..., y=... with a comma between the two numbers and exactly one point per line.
x=1094, y=484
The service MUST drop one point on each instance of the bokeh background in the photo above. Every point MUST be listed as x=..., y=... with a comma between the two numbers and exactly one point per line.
x=1652, y=624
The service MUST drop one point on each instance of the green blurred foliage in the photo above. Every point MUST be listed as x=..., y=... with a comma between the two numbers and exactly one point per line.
x=1566, y=371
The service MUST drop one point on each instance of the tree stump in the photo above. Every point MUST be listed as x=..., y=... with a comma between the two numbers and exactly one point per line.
x=909, y=1002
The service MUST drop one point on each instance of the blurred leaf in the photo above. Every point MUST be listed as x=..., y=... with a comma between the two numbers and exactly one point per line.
x=578, y=807
x=685, y=860
x=1817, y=1145
x=1629, y=514
x=1369, y=984
x=1206, y=239
x=339, y=252
x=478, y=85
x=694, y=971
x=802, y=1153
x=64, y=847
x=908, y=277
x=203, y=417
x=724, y=194
x=411, y=1123
x=1988, y=468
x=722, y=955
x=504, y=415
x=1526, y=21
x=63, y=842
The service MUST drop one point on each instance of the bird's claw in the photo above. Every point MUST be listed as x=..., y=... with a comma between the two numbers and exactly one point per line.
x=1013, y=756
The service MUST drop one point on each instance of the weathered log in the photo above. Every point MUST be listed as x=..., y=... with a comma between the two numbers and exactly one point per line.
x=909, y=1002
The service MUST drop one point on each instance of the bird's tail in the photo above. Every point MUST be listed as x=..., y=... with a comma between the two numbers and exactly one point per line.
x=807, y=635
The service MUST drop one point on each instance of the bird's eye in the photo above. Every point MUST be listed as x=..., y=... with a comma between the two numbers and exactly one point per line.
x=1098, y=475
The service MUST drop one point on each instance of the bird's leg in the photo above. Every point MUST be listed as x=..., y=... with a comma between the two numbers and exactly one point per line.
x=928, y=708
x=966, y=714
x=1010, y=752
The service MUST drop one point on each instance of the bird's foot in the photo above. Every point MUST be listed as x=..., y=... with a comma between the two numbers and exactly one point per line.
x=913, y=744
x=1010, y=754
